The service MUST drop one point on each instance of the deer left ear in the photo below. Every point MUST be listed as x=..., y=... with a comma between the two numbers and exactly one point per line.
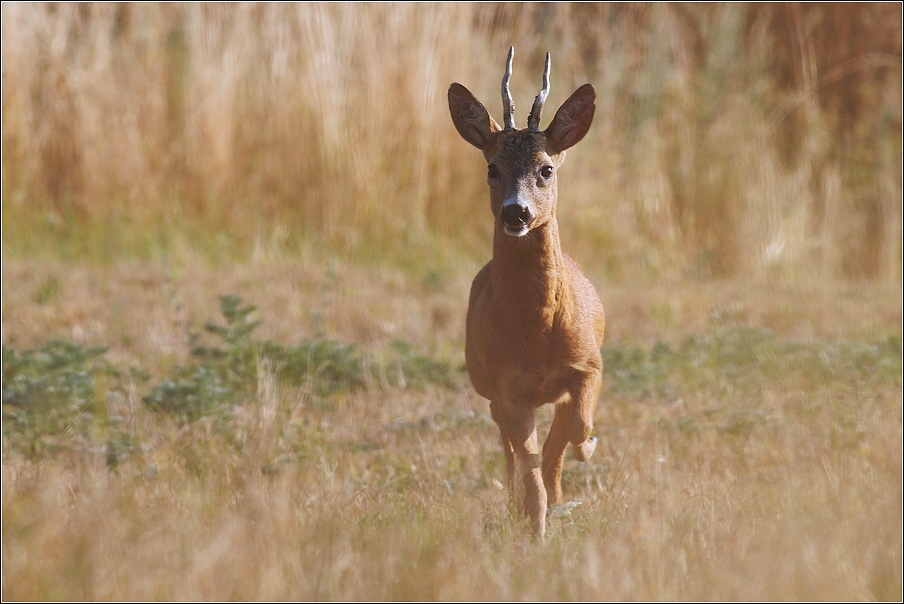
x=471, y=119
x=572, y=120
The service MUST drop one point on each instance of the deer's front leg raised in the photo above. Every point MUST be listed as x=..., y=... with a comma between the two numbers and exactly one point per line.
x=584, y=394
x=572, y=422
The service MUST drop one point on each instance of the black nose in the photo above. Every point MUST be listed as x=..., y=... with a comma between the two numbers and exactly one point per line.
x=515, y=215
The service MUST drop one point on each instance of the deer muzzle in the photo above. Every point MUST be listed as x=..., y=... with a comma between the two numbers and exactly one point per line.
x=515, y=218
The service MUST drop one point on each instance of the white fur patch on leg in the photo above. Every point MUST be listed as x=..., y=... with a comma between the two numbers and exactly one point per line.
x=583, y=451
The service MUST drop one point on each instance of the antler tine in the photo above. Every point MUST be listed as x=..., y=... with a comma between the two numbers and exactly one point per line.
x=533, y=120
x=508, y=106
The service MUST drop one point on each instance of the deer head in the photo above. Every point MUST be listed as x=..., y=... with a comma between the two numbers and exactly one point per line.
x=522, y=164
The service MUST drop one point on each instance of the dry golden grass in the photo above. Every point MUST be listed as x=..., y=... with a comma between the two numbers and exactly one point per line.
x=140, y=310
x=729, y=139
x=791, y=490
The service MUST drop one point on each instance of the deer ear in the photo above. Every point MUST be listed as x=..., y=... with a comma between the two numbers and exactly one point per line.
x=471, y=118
x=572, y=120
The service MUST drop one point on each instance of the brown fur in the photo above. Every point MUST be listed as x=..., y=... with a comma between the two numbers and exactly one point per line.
x=535, y=324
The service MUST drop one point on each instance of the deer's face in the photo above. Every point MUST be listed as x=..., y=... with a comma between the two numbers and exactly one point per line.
x=521, y=174
x=522, y=164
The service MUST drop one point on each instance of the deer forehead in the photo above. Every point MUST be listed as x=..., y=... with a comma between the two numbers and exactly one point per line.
x=520, y=152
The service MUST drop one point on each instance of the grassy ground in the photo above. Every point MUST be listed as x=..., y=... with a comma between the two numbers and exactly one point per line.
x=750, y=443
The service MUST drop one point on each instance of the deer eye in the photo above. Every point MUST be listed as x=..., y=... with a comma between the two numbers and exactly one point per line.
x=546, y=171
x=492, y=172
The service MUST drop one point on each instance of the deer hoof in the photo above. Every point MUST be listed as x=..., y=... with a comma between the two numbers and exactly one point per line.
x=583, y=451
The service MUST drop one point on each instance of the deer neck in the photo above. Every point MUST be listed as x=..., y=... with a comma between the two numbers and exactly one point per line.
x=528, y=272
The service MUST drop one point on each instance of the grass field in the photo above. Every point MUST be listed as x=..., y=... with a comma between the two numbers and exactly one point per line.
x=750, y=443
x=237, y=247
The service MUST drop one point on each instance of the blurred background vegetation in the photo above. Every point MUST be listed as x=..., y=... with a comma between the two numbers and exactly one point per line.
x=730, y=139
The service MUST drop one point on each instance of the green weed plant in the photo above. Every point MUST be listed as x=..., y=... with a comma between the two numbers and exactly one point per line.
x=54, y=397
x=746, y=359
x=51, y=399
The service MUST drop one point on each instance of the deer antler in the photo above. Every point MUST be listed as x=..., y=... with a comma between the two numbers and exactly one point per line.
x=533, y=120
x=508, y=106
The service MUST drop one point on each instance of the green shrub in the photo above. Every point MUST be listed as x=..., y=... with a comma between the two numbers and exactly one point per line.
x=226, y=371
x=744, y=359
x=51, y=397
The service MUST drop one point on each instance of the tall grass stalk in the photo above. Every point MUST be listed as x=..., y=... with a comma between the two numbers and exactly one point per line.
x=729, y=139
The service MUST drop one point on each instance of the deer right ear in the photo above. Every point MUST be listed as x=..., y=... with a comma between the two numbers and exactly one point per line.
x=572, y=120
x=471, y=119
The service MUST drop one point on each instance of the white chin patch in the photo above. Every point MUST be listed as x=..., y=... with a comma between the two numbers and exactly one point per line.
x=515, y=232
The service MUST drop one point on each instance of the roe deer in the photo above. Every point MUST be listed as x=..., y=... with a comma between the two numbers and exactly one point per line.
x=535, y=324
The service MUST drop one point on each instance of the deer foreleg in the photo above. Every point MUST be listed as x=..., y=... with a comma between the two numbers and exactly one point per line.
x=584, y=396
x=499, y=418
x=530, y=494
x=554, y=452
